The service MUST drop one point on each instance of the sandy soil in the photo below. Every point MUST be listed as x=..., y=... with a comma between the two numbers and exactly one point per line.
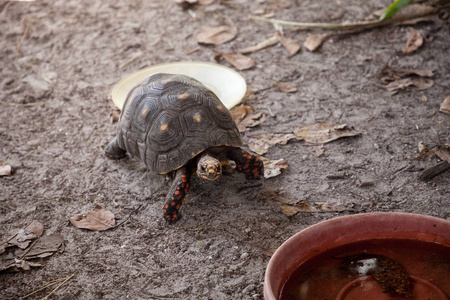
x=55, y=123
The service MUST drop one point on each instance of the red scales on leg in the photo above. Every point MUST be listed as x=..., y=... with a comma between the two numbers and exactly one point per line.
x=175, y=197
x=250, y=165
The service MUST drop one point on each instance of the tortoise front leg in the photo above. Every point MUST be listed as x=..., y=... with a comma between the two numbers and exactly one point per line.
x=175, y=197
x=113, y=150
x=250, y=165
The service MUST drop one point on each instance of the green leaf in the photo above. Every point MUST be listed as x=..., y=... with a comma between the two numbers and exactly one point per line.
x=394, y=8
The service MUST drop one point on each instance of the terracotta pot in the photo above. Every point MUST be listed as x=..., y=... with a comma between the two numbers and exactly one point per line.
x=327, y=235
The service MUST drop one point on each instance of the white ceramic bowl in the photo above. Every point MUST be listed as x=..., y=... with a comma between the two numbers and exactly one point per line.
x=226, y=83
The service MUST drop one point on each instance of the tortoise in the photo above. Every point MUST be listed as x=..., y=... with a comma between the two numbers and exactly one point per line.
x=179, y=127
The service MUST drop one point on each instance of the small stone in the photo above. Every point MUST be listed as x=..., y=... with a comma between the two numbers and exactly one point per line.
x=244, y=255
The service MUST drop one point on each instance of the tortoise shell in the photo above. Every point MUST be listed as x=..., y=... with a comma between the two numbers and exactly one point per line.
x=167, y=120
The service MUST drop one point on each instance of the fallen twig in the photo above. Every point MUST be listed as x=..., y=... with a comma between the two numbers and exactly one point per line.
x=67, y=279
x=123, y=222
x=24, y=36
x=435, y=170
x=53, y=282
x=353, y=25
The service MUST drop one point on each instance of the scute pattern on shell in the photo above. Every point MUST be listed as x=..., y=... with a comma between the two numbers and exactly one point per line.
x=168, y=119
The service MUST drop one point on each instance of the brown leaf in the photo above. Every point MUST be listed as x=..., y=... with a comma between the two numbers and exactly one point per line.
x=238, y=113
x=5, y=170
x=114, y=116
x=445, y=106
x=414, y=41
x=288, y=210
x=275, y=196
x=304, y=206
x=252, y=120
x=260, y=144
x=322, y=133
x=292, y=46
x=269, y=252
x=417, y=82
x=389, y=74
x=216, y=35
x=244, y=117
x=99, y=219
x=46, y=246
x=25, y=235
x=264, y=44
x=273, y=168
x=286, y=87
x=18, y=265
x=443, y=152
x=314, y=41
x=326, y=207
x=239, y=61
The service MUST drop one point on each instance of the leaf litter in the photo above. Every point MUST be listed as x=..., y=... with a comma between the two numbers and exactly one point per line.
x=15, y=260
x=292, y=46
x=322, y=133
x=291, y=207
x=445, y=106
x=98, y=219
x=414, y=41
x=237, y=60
x=5, y=170
x=285, y=87
x=314, y=41
x=216, y=35
x=272, y=168
x=245, y=117
x=397, y=79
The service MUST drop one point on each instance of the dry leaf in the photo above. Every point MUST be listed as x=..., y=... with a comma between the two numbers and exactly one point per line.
x=414, y=41
x=301, y=206
x=292, y=46
x=389, y=74
x=46, y=246
x=5, y=170
x=273, y=168
x=260, y=144
x=418, y=82
x=275, y=195
x=25, y=235
x=327, y=207
x=99, y=219
x=216, y=35
x=285, y=87
x=288, y=210
x=445, y=106
x=18, y=265
x=443, y=152
x=314, y=41
x=238, y=113
x=244, y=117
x=264, y=44
x=114, y=116
x=239, y=61
x=269, y=252
x=322, y=133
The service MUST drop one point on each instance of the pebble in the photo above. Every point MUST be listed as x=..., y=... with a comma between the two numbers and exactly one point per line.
x=244, y=255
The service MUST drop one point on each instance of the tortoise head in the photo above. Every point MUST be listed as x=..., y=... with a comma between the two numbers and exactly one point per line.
x=209, y=168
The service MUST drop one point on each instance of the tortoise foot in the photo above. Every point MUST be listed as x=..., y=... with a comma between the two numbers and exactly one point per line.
x=113, y=151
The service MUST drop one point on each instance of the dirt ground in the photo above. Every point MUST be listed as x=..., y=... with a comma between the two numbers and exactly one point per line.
x=55, y=124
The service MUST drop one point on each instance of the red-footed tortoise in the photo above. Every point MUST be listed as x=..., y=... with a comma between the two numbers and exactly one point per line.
x=177, y=126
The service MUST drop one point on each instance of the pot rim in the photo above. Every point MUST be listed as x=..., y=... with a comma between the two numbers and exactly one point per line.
x=334, y=232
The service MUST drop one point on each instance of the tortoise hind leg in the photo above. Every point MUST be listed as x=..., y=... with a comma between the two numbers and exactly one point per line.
x=250, y=165
x=113, y=151
x=175, y=197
